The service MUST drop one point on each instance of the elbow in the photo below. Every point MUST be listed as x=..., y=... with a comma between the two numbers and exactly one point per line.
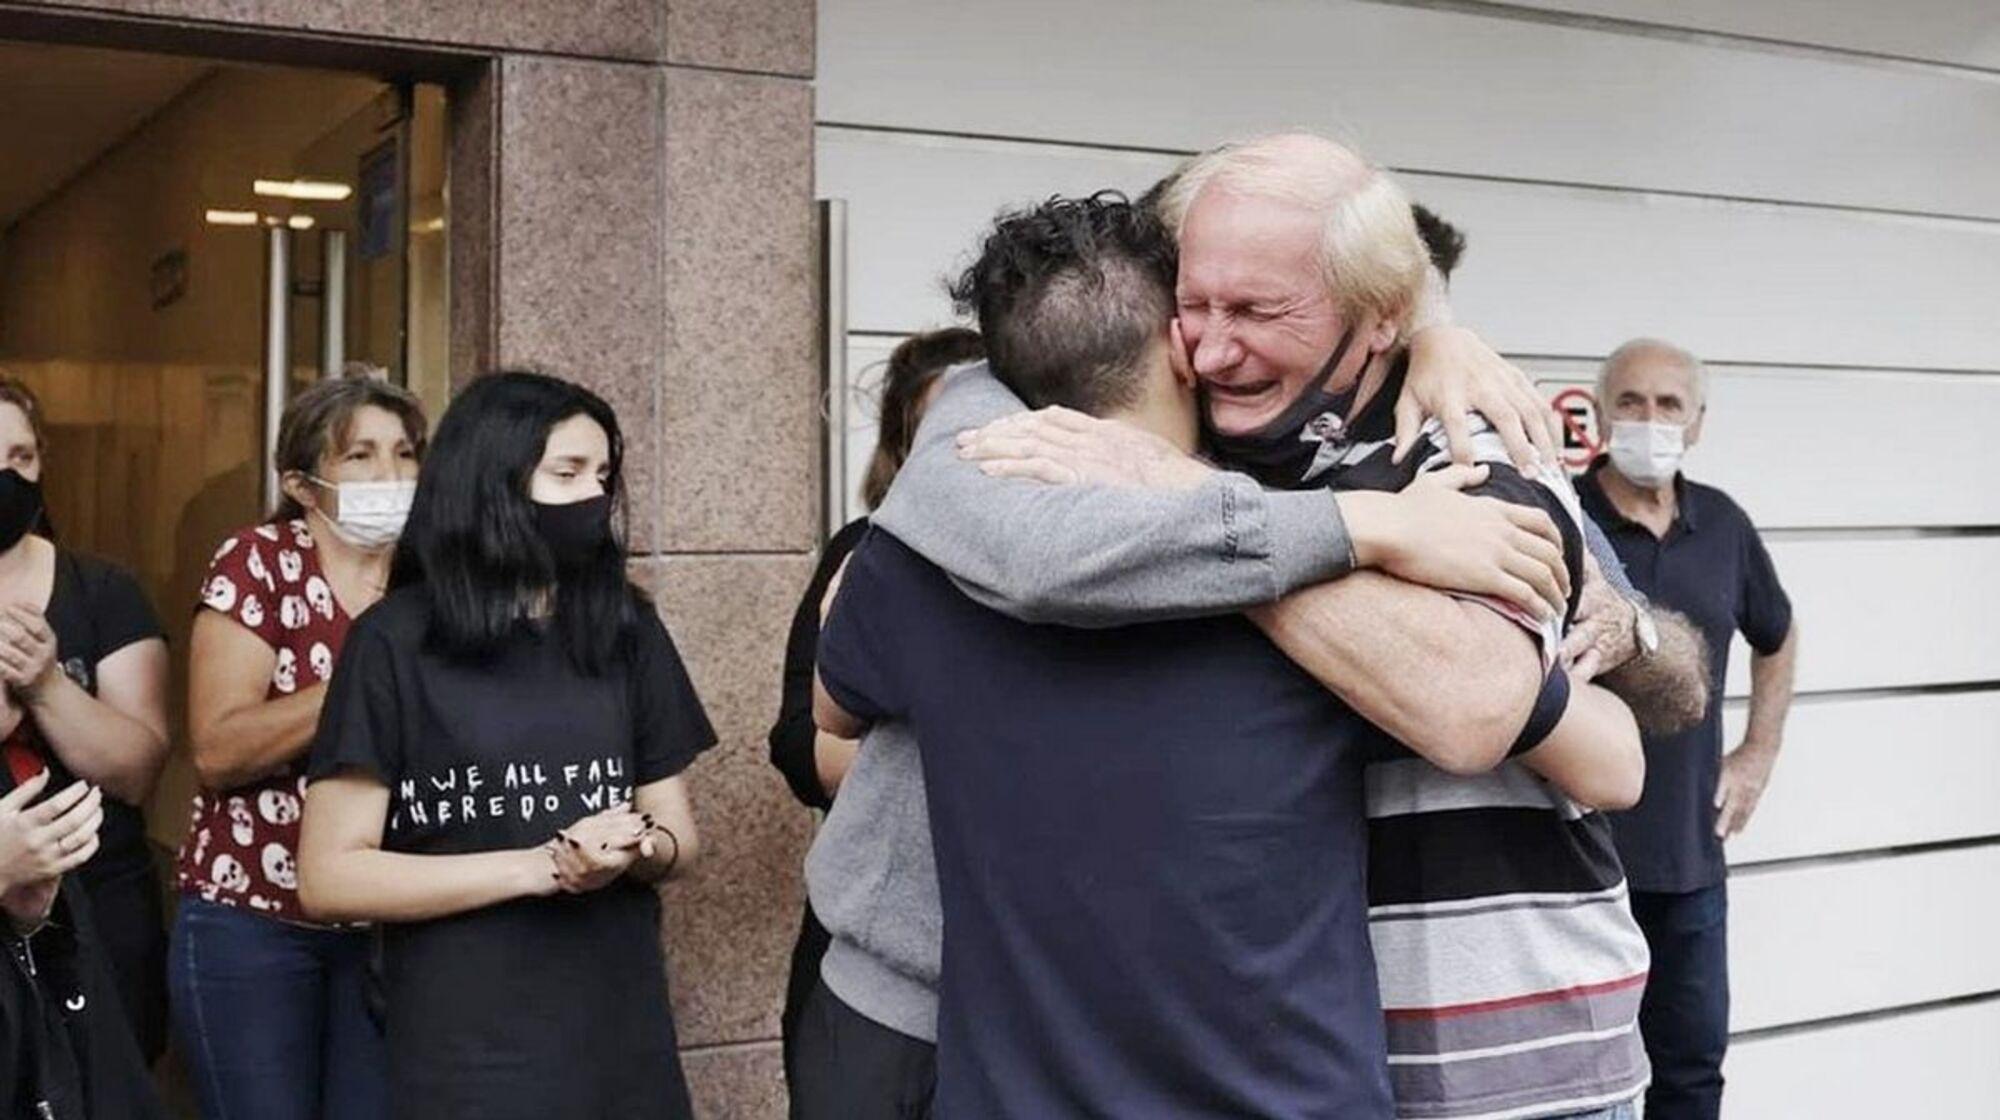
x=313, y=896
x=145, y=771
x=1467, y=742
x=1617, y=785
x=215, y=769
x=1617, y=776
x=831, y=718
x=1478, y=737
x=1625, y=788
x=1474, y=747
x=319, y=895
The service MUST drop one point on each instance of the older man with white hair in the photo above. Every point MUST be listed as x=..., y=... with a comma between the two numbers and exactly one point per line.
x=1692, y=548
x=1510, y=964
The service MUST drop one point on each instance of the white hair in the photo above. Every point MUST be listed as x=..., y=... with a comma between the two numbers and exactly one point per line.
x=1370, y=251
x=1644, y=347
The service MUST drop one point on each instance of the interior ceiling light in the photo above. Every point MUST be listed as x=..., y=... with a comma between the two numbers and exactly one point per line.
x=232, y=217
x=304, y=190
x=300, y=221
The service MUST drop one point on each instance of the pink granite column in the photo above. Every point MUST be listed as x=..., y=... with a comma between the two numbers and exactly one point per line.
x=631, y=207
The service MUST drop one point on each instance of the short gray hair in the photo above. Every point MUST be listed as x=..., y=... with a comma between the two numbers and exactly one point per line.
x=1640, y=347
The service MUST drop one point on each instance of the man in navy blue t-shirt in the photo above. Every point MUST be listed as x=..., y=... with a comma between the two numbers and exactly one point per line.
x=1150, y=840
x=1690, y=547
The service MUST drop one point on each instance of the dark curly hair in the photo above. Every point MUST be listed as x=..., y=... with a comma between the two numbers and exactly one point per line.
x=1444, y=241
x=1069, y=294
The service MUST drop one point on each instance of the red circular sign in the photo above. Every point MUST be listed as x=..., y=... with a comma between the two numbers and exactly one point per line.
x=1579, y=416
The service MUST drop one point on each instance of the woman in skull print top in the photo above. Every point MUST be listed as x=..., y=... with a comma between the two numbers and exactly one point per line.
x=272, y=1009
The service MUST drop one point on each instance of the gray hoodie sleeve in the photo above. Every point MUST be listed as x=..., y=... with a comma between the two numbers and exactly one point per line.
x=1100, y=555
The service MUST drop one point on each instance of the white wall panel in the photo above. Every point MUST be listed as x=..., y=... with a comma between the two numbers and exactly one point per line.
x=1879, y=772
x=1936, y=1063
x=1802, y=449
x=1956, y=32
x=1817, y=941
x=1420, y=88
x=866, y=358
x=1889, y=612
x=916, y=207
x=1550, y=270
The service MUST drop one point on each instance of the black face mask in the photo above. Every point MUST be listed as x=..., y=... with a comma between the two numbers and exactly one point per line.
x=1283, y=452
x=574, y=531
x=20, y=507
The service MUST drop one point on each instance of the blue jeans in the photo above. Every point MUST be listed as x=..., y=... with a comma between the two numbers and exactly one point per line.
x=273, y=1018
x=1684, y=1016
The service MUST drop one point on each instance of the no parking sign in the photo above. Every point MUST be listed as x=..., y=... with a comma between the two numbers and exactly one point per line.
x=1580, y=439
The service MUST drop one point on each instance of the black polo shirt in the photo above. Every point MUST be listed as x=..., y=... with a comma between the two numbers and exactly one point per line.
x=1712, y=567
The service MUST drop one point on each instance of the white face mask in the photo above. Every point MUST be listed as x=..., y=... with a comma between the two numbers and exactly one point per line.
x=1647, y=452
x=371, y=513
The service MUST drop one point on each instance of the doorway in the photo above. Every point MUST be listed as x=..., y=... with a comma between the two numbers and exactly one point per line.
x=183, y=242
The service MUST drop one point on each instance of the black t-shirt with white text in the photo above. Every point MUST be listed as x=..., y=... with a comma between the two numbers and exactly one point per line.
x=537, y=1007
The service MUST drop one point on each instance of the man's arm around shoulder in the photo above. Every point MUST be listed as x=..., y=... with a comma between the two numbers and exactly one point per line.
x=1099, y=555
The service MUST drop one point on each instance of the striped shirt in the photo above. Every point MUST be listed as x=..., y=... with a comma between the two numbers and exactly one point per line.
x=1509, y=963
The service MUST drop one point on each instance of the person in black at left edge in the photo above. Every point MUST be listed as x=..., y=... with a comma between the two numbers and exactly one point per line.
x=65, y=1050
x=84, y=662
x=813, y=762
x=496, y=777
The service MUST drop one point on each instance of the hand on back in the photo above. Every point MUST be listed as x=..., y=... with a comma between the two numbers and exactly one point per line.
x=1434, y=534
x=1064, y=447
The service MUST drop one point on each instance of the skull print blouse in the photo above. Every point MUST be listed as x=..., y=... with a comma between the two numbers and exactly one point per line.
x=242, y=844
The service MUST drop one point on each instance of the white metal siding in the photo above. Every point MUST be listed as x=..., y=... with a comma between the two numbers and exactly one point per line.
x=1822, y=225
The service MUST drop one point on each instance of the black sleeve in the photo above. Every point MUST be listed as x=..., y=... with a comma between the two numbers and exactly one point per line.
x=1764, y=614
x=670, y=727
x=119, y=610
x=793, y=735
x=361, y=723
x=857, y=652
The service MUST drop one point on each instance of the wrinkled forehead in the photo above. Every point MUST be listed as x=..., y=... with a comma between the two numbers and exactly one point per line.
x=1249, y=247
x=1653, y=373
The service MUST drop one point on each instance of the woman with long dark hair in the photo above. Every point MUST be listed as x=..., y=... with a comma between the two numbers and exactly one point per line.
x=270, y=1007
x=495, y=778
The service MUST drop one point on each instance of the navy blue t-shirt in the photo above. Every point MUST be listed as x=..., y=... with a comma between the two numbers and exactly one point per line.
x=1712, y=567
x=1151, y=857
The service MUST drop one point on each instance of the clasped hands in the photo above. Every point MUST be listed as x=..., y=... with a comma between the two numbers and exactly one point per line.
x=27, y=650
x=597, y=850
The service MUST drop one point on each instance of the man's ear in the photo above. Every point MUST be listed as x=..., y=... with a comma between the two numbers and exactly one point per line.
x=1691, y=435
x=1380, y=333
x=1177, y=355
